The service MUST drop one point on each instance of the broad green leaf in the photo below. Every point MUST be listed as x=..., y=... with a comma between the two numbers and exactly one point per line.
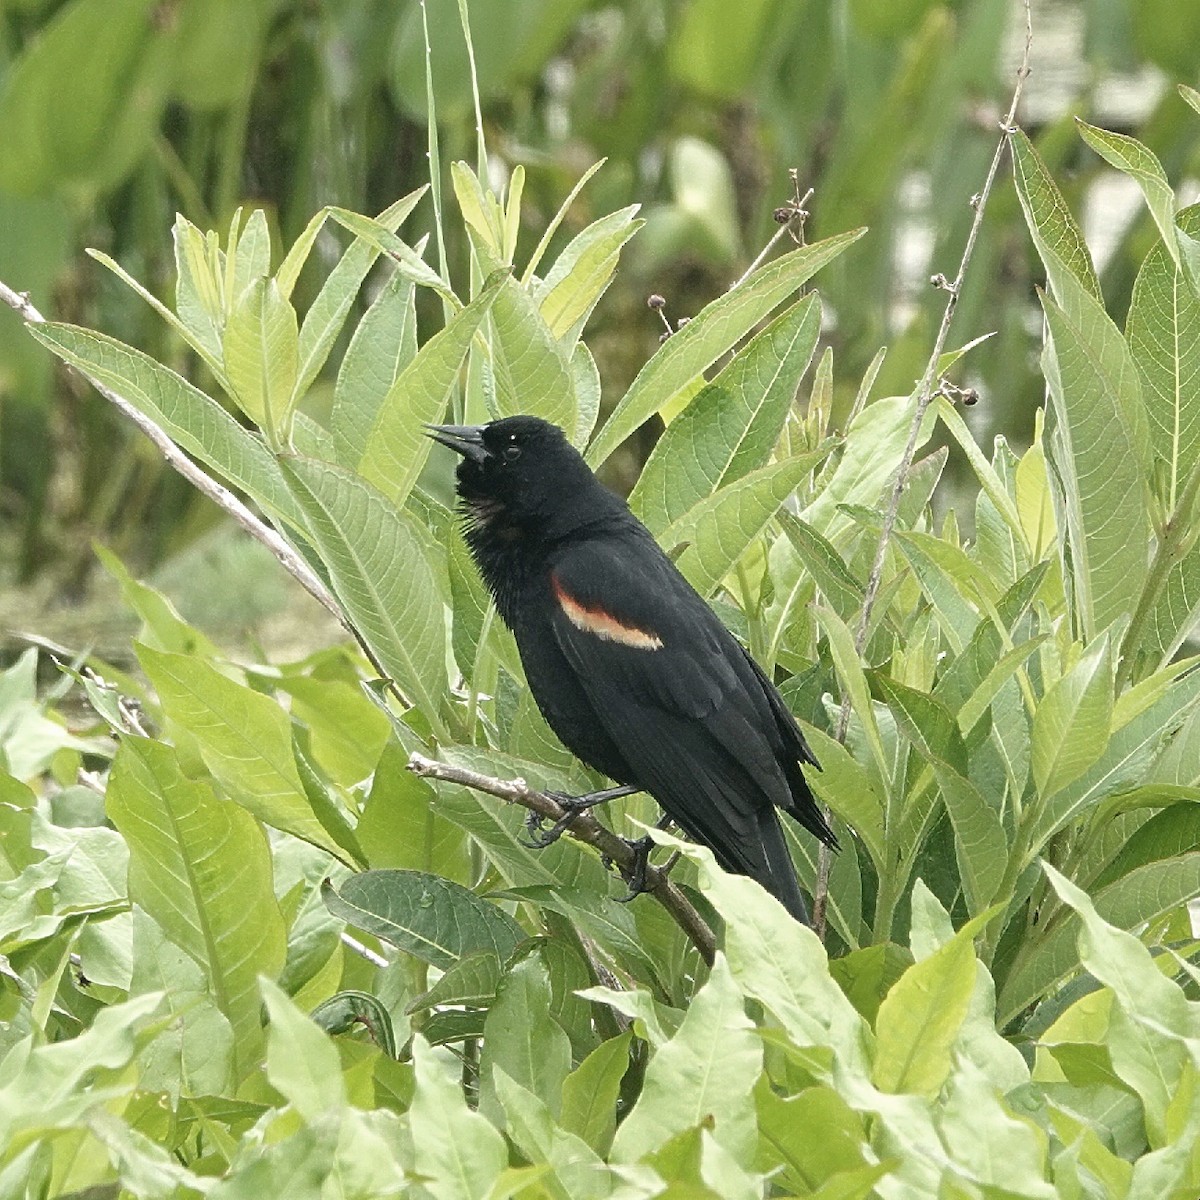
x=733, y=424
x=201, y=867
x=472, y=982
x=718, y=530
x=302, y=1063
x=49, y=1087
x=198, y=286
x=82, y=100
x=481, y=212
x=571, y=1168
x=458, y=1153
x=394, y=447
x=382, y=240
x=1130, y=902
x=1137, y=161
x=1058, y=239
x=298, y=252
x=1126, y=760
x=585, y=379
x=1149, y=1047
x=839, y=587
x=245, y=739
x=781, y=964
x=384, y=343
x=530, y=369
x=920, y=1018
x=705, y=1074
x=324, y=320
x=382, y=575
x=437, y=921
x=583, y=271
x=847, y=787
x=854, y=681
x=401, y=825
x=261, y=344
x=712, y=332
x=194, y=420
x=202, y=348
x=1098, y=452
x=590, y=1093
x=1072, y=722
x=252, y=256
x=980, y=843
x=523, y=1040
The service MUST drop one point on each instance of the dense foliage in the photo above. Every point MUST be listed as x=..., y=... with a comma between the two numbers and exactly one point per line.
x=246, y=952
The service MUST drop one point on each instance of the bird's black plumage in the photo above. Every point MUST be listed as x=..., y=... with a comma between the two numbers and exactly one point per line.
x=629, y=666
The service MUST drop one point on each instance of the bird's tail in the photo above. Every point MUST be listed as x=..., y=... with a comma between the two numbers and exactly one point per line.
x=780, y=872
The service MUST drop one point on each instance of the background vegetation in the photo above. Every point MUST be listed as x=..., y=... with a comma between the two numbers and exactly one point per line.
x=246, y=952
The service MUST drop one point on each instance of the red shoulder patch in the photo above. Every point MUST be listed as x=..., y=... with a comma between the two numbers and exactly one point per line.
x=595, y=620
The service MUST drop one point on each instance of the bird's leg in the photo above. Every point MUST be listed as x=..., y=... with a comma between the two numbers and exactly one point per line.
x=641, y=860
x=540, y=838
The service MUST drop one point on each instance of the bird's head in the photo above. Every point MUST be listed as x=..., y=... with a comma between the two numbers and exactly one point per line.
x=521, y=473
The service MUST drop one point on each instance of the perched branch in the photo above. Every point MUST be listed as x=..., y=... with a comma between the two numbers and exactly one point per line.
x=197, y=477
x=924, y=394
x=585, y=828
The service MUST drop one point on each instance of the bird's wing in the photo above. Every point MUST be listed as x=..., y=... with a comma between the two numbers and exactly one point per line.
x=674, y=691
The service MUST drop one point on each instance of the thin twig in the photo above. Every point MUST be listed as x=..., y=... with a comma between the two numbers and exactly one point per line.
x=585, y=828
x=925, y=392
x=363, y=951
x=197, y=477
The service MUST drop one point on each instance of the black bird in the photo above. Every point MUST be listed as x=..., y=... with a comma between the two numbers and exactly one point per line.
x=629, y=666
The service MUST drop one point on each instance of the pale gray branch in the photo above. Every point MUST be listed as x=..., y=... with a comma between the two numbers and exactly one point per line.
x=585, y=828
x=198, y=477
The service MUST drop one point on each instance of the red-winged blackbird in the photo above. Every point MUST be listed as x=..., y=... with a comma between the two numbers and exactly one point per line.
x=631, y=669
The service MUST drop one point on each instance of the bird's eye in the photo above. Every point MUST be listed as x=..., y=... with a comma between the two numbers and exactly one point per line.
x=511, y=453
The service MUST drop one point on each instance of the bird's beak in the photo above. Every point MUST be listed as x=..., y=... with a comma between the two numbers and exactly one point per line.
x=466, y=440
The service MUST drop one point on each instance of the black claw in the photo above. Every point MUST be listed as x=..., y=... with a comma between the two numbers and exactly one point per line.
x=572, y=806
x=637, y=874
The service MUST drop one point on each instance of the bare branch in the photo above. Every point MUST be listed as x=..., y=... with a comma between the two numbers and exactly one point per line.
x=925, y=393
x=198, y=477
x=585, y=828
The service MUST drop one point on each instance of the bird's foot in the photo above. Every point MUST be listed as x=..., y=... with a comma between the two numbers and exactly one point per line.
x=641, y=863
x=572, y=806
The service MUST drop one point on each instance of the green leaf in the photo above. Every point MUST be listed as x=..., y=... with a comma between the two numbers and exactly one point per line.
x=201, y=347
x=1127, y=154
x=458, y=1153
x=472, y=982
x=705, y=1074
x=847, y=787
x=531, y=370
x=201, y=867
x=381, y=573
x=437, y=921
x=733, y=424
x=782, y=964
x=395, y=447
x=194, y=420
x=582, y=272
x=1125, y=762
x=1072, y=722
x=1059, y=240
x=384, y=343
x=381, y=239
x=1138, y=897
x=1150, y=1047
x=82, y=101
x=245, y=739
x=590, y=1093
x=302, y=1063
x=261, y=344
x=712, y=332
x=324, y=320
x=198, y=285
x=718, y=530
x=1099, y=449
x=980, y=843
x=523, y=1040
x=920, y=1018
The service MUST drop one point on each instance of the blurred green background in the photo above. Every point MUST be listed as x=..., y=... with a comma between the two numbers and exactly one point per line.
x=115, y=114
